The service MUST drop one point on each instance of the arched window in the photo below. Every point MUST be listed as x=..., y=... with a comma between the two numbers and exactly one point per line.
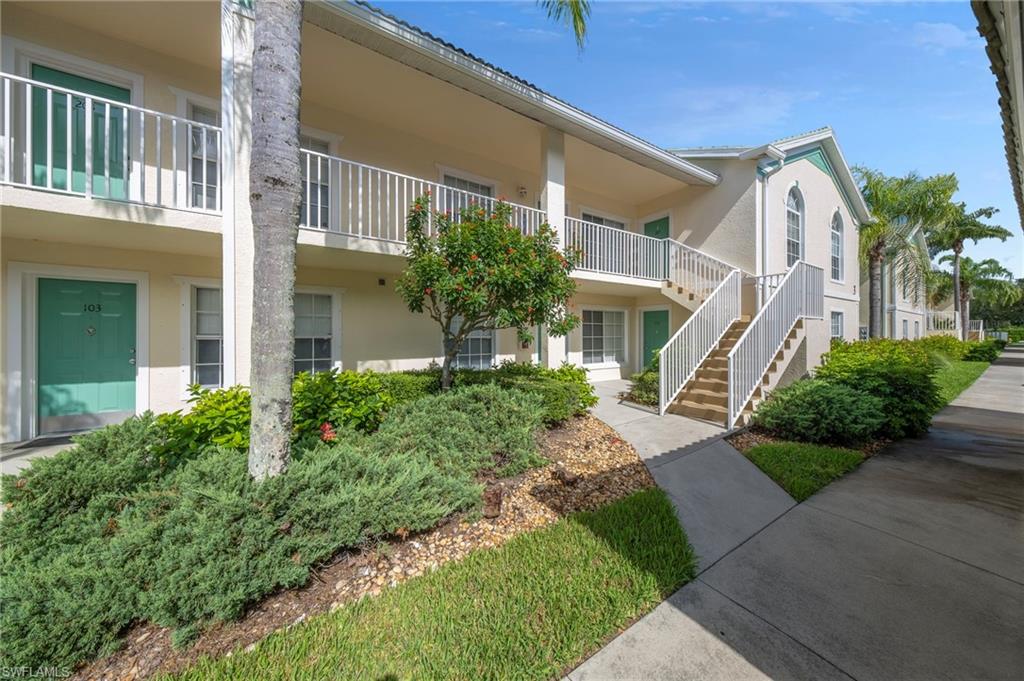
x=794, y=227
x=837, y=247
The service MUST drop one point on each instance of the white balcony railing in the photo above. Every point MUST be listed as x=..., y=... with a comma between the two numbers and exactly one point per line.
x=976, y=329
x=688, y=347
x=608, y=250
x=942, y=321
x=800, y=294
x=60, y=140
x=360, y=200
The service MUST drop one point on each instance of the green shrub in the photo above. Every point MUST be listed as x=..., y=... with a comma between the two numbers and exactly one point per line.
x=217, y=418
x=982, y=351
x=467, y=431
x=348, y=399
x=817, y=411
x=948, y=347
x=406, y=386
x=644, y=388
x=574, y=398
x=900, y=373
x=200, y=544
x=1014, y=334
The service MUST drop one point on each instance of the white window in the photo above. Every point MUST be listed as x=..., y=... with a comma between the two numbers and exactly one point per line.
x=477, y=349
x=207, y=337
x=316, y=188
x=905, y=325
x=455, y=201
x=313, y=332
x=917, y=329
x=203, y=189
x=837, y=247
x=600, y=220
x=604, y=336
x=794, y=226
x=837, y=324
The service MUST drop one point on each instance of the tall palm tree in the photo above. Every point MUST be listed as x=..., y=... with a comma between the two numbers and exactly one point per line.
x=573, y=13
x=950, y=235
x=900, y=207
x=986, y=279
x=275, y=180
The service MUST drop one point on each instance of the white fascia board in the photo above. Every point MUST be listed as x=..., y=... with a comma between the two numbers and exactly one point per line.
x=827, y=141
x=474, y=71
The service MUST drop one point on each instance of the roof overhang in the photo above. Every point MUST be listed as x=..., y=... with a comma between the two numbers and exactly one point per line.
x=387, y=36
x=794, y=148
x=1002, y=25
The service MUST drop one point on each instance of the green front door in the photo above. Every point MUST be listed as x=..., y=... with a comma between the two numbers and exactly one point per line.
x=108, y=148
x=86, y=353
x=655, y=325
x=657, y=228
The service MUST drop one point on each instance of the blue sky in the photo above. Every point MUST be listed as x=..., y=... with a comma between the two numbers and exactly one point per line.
x=906, y=86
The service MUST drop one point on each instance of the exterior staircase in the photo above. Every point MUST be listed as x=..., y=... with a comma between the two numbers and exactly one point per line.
x=679, y=294
x=706, y=395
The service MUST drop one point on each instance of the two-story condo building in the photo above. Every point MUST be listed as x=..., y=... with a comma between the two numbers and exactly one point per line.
x=127, y=243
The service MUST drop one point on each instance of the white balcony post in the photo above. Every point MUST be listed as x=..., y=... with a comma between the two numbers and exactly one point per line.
x=552, y=202
x=236, y=45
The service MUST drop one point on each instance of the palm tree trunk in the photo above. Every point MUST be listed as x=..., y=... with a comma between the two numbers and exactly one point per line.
x=275, y=183
x=875, y=297
x=956, y=291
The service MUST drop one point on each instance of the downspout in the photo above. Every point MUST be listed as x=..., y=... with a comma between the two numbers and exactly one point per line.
x=765, y=169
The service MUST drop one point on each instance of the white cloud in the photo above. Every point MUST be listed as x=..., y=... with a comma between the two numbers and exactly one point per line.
x=941, y=37
x=725, y=114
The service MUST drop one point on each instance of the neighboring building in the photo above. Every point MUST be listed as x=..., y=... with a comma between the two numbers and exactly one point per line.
x=1001, y=23
x=127, y=242
x=905, y=306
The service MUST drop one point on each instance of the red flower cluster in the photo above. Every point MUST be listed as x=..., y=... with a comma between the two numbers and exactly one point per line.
x=474, y=257
x=327, y=433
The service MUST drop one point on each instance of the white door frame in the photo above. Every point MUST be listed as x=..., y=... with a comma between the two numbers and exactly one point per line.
x=20, y=311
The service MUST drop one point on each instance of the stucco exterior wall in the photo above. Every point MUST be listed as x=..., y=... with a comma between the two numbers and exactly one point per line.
x=718, y=220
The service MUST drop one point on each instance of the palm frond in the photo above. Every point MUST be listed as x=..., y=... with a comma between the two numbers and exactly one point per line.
x=572, y=13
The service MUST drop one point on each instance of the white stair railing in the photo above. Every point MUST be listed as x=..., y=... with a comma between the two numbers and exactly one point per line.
x=608, y=250
x=976, y=326
x=695, y=271
x=684, y=352
x=65, y=141
x=352, y=198
x=800, y=294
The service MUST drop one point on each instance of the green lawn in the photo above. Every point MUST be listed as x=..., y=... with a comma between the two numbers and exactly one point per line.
x=802, y=469
x=956, y=376
x=527, y=610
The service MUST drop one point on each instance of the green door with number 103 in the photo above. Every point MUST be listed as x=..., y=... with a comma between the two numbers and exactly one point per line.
x=109, y=154
x=86, y=353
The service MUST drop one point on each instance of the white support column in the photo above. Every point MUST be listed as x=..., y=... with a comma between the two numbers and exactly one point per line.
x=552, y=201
x=236, y=44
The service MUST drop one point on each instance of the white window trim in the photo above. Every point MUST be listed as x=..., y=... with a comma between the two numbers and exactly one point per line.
x=186, y=284
x=803, y=223
x=184, y=99
x=581, y=209
x=842, y=323
x=842, y=247
x=333, y=142
x=21, y=306
x=19, y=55
x=443, y=170
x=625, y=337
x=335, y=294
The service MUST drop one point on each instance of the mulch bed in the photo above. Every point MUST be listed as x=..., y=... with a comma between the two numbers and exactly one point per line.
x=590, y=466
x=745, y=440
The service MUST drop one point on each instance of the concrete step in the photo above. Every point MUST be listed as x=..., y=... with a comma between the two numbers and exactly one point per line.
x=702, y=412
x=710, y=373
x=715, y=385
x=705, y=397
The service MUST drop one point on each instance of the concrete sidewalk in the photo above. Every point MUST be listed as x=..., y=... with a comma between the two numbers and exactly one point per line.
x=912, y=567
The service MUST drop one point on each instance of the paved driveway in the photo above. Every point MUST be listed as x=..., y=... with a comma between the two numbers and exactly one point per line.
x=912, y=567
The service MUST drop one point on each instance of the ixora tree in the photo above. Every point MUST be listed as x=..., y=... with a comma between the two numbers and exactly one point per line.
x=900, y=206
x=481, y=272
x=950, y=235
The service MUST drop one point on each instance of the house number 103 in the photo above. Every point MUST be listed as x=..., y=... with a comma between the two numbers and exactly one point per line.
x=92, y=307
